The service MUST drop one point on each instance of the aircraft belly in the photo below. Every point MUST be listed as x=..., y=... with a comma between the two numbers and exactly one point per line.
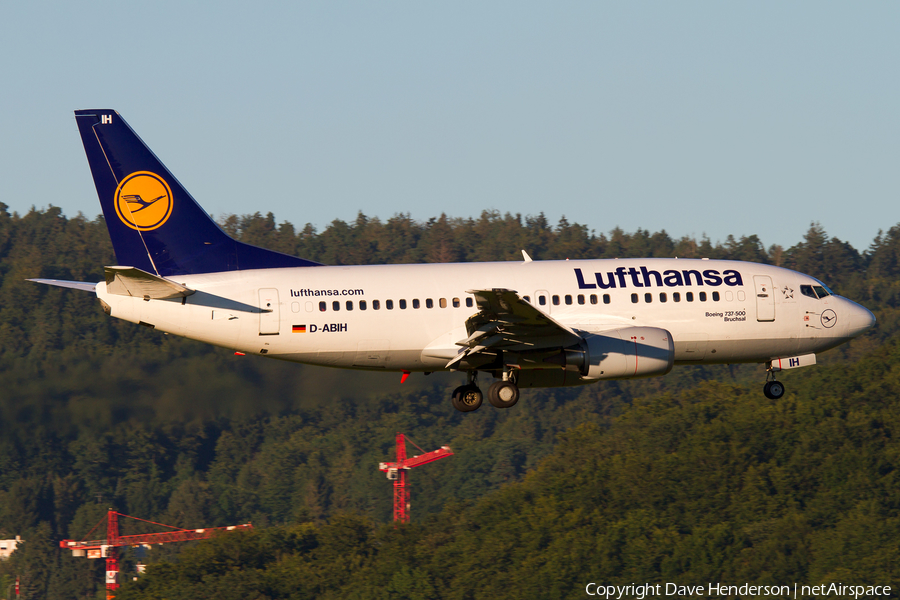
x=393, y=360
x=734, y=350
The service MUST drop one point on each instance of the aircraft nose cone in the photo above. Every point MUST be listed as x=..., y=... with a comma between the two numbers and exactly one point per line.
x=859, y=320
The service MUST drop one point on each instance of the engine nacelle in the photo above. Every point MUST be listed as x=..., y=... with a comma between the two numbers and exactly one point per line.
x=628, y=352
x=622, y=353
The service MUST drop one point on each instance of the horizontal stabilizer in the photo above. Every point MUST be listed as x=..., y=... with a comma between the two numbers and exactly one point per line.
x=131, y=281
x=75, y=285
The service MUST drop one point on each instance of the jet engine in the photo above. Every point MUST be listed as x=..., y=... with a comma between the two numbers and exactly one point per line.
x=628, y=352
x=624, y=353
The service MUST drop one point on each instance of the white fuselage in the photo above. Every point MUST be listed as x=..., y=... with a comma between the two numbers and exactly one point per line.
x=409, y=317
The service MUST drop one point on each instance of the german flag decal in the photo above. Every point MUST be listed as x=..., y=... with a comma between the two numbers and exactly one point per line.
x=298, y=329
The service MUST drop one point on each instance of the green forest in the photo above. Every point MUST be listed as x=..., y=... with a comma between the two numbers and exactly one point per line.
x=691, y=478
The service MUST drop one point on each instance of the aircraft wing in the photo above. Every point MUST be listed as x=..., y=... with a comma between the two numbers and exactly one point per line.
x=506, y=321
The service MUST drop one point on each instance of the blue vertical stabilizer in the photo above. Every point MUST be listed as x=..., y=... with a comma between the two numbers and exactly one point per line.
x=154, y=223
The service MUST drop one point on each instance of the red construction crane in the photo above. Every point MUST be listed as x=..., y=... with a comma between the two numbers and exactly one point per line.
x=108, y=548
x=396, y=471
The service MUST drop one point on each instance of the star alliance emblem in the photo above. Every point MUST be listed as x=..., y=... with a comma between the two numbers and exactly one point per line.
x=788, y=292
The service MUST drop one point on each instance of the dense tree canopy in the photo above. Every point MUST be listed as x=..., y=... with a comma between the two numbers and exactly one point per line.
x=694, y=476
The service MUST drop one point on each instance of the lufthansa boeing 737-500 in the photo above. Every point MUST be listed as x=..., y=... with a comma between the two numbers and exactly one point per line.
x=526, y=324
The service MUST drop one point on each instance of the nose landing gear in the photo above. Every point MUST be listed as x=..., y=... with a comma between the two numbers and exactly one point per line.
x=772, y=389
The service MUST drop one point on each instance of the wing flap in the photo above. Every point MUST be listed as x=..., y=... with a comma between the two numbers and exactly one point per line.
x=507, y=322
x=131, y=281
x=505, y=310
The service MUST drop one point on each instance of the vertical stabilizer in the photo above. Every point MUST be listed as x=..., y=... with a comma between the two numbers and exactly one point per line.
x=154, y=223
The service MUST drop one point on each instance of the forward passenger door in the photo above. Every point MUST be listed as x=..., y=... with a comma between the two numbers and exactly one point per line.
x=765, y=298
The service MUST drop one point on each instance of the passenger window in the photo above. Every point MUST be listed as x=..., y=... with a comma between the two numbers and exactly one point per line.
x=702, y=296
x=527, y=298
x=429, y=303
x=469, y=303
x=389, y=304
x=716, y=296
x=555, y=300
x=568, y=298
x=605, y=298
x=662, y=297
x=349, y=304
x=542, y=300
x=402, y=304
x=443, y=303
x=634, y=298
x=415, y=303
x=676, y=297
x=456, y=303
x=689, y=296
x=362, y=305
x=376, y=304
x=336, y=305
x=322, y=306
x=648, y=297
x=593, y=298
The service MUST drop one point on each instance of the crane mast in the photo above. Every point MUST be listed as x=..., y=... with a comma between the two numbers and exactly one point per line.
x=397, y=472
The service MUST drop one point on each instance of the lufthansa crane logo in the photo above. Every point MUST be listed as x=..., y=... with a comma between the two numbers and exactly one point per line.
x=143, y=201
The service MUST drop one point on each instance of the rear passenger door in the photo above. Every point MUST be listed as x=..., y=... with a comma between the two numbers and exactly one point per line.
x=269, y=313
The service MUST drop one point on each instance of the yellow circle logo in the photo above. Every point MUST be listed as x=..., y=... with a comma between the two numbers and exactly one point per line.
x=143, y=200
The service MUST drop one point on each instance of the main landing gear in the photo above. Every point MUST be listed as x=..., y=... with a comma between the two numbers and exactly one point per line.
x=467, y=398
x=773, y=389
x=501, y=394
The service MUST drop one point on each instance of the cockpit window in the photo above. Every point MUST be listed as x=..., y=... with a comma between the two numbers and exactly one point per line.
x=815, y=291
x=822, y=290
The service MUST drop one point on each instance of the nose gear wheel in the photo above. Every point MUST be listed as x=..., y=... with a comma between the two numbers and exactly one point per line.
x=773, y=390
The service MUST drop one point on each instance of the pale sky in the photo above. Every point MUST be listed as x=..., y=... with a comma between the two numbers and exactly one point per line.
x=697, y=118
